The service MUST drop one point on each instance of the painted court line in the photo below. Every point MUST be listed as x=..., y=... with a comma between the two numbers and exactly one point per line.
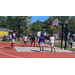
x=10, y=55
x=3, y=46
x=7, y=51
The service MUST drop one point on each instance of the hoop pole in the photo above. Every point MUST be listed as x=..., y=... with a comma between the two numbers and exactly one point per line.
x=62, y=36
x=66, y=37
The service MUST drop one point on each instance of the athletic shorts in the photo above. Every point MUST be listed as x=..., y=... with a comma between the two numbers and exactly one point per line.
x=13, y=40
x=25, y=41
x=52, y=43
x=33, y=41
x=41, y=44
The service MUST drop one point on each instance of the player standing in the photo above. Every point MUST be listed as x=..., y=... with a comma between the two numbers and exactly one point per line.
x=52, y=42
x=33, y=40
x=41, y=41
x=13, y=40
x=25, y=41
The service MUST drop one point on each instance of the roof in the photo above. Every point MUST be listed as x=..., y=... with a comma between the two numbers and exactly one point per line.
x=6, y=29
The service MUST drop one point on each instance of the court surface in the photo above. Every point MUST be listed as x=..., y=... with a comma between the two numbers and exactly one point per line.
x=32, y=52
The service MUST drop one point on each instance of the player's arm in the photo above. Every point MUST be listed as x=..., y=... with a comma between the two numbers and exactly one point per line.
x=16, y=31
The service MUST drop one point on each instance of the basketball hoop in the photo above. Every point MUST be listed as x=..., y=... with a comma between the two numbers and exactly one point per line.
x=52, y=26
x=55, y=22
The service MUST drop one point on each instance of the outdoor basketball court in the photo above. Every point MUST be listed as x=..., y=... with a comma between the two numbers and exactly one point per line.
x=32, y=52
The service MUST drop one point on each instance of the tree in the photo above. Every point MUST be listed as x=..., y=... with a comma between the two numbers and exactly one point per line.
x=62, y=18
x=71, y=25
x=37, y=26
x=47, y=24
x=2, y=21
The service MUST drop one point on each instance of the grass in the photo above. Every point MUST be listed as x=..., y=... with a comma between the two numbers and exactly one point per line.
x=73, y=49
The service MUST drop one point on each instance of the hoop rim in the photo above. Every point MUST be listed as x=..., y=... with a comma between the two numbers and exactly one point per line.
x=53, y=25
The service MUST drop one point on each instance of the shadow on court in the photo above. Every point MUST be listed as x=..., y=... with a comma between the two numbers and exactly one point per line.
x=7, y=47
x=39, y=51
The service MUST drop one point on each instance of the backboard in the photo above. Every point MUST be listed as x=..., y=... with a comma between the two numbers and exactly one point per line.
x=55, y=22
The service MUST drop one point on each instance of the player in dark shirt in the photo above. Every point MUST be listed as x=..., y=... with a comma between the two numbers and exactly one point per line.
x=33, y=40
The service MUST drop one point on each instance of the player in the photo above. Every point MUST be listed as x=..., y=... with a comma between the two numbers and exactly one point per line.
x=13, y=40
x=33, y=40
x=25, y=41
x=41, y=41
x=52, y=42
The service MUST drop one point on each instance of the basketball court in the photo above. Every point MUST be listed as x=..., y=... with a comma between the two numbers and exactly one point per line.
x=32, y=52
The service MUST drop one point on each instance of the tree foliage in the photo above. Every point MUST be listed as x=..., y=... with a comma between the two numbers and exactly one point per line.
x=14, y=22
x=19, y=22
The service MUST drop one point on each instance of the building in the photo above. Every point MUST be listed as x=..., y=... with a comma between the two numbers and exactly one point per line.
x=4, y=31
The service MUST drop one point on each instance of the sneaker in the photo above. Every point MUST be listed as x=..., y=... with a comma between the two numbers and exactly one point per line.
x=12, y=48
x=51, y=51
x=42, y=50
x=54, y=50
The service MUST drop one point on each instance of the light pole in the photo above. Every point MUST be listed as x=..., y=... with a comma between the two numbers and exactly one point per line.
x=27, y=26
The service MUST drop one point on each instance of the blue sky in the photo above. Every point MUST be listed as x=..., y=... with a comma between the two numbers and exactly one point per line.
x=41, y=18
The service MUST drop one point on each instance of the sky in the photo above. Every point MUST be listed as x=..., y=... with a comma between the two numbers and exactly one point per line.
x=41, y=18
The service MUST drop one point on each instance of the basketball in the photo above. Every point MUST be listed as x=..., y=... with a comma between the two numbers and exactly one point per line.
x=26, y=20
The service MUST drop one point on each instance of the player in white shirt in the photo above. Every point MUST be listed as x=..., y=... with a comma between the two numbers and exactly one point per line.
x=25, y=40
x=52, y=42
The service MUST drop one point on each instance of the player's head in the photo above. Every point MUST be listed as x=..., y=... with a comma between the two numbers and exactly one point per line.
x=52, y=35
x=25, y=34
x=70, y=36
x=42, y=35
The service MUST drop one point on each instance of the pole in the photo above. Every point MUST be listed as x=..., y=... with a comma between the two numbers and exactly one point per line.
x=31, y=25
x=62, y=36
x=53, y=20
x=27, y=26
x=19, y=28
x=66, y=37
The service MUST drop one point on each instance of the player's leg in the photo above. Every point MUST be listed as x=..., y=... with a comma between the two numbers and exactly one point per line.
x=23, y=44
x=26, y=43
x=31, y=43
x=13, y=46
x=54, y=49
x=13, y=43
x=34, y=43
x=51, y=46
x=40, y=48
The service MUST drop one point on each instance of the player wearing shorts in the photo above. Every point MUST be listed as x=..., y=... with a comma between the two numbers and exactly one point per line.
x=13, y=40
x=25, y=41
x=52, y=42
x=41, y=40
x=33, y=40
